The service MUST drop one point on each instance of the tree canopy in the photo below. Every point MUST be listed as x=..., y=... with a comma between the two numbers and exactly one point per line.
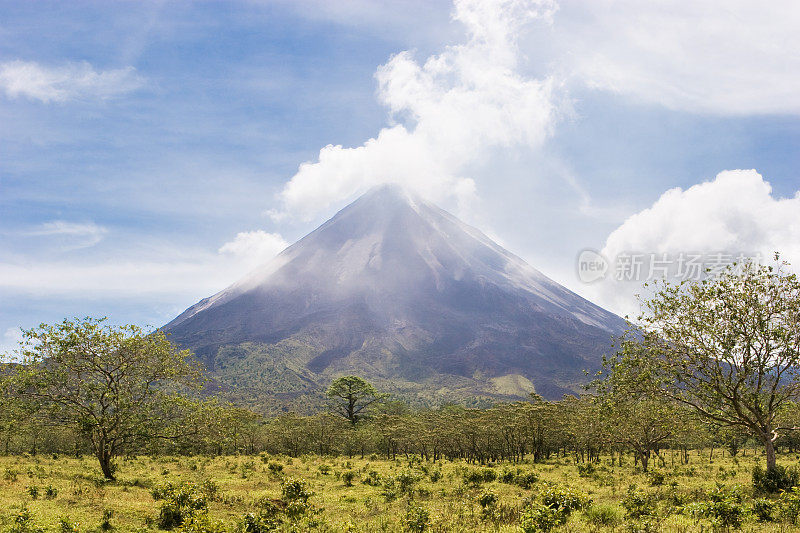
x=351, y=395
x=115, y=385
x=728, y=347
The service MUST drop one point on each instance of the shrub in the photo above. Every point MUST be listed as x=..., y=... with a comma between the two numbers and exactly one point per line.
x=23, y=523
x=65, y=525
x=507, y=476
x=564, y=499
x=526, y=479
x=638, y=504
x=776, y=480
x=202, y=523
x=105, y=522
x=764, y=510
x=487, y=499
x=347, y=477
x=50, y=492
x=537, y=517
x=210, y=488
x=372, y=478
x=656, y=478
x=726, y=513
x=181, y=504
x=259, y=523
x=324, y=469
x=476, y=476
x=586, y=469
x=275, y=467
x=296, y=494
x=417, y=518
x=435, y=475
x=602, y=516
x=33, y=491
x=405, y=481
x=789, y=505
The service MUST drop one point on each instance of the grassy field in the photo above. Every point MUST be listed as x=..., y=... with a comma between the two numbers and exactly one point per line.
x=67, y=493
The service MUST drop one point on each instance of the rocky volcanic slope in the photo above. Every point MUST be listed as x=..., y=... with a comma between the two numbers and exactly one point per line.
x=396, y=290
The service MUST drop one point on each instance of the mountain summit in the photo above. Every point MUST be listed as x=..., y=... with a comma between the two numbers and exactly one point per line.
x=399, y=291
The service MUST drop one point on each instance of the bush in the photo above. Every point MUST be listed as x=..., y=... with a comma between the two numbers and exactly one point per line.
x=764, y=510
x=638, y=504
x=724, y=513
x=417, y=518
x=656, y=478
x=564, y=499
x=23, y=523
x=259, y=523
x=65, y=525
x=372, y=478
x=275, y=467
x=405, y=481
x=602, y=516
x=774, y=481
x=105, y=522
x=789, y=505
x=537, y=517
x=347, y=477
x=180, y=504
x=487, y=499
x=476, y=476
x=526, y=479
x=586, y=469
x=202, y=523
x=296, y=494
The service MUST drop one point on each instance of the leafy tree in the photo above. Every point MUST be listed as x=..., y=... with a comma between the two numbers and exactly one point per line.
x=728, y=347
x=350, y=395
x=116, y=386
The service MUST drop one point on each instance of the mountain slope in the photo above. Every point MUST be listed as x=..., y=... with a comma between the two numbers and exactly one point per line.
x=399, y=291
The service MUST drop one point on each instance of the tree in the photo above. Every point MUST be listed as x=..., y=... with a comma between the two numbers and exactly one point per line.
x=633, y=413
x=115, y=385
x=350, y=395
x=728, y=347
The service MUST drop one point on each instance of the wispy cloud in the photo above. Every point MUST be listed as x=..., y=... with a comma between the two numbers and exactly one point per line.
x=735, y=57
x=74, y=235
x=163, y=271
x=69, y=81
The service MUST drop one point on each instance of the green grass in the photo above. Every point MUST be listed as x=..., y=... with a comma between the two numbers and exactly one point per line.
x=453, y=506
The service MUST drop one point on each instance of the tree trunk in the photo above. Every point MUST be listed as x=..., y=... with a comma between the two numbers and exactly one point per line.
x=769, y=447
x=105, y=458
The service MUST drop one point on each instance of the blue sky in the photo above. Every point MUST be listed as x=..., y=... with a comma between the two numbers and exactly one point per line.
x=150, y=152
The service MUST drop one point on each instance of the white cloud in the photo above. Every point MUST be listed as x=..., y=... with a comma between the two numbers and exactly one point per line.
x=74, y=235
x=732, y=57
x=69, y=81
x=452, y=110
x=254, y=247
x=736, y=212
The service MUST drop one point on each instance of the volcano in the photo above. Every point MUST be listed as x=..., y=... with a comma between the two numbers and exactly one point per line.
x=402, y=293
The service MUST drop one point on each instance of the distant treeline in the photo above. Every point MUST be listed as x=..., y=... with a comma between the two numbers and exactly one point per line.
x=578, y=428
